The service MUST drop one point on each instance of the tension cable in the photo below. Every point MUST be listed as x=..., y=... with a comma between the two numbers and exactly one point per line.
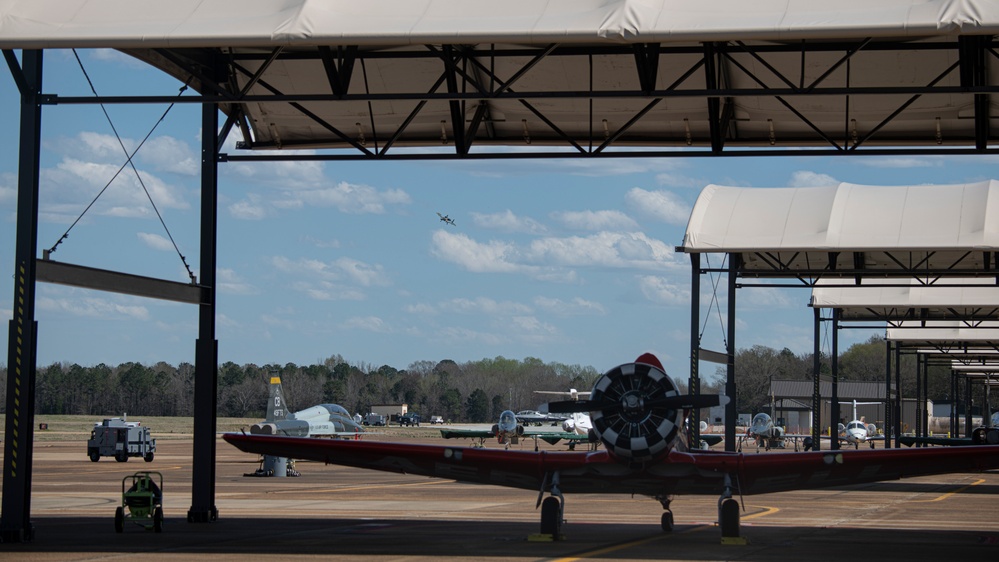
x=128, y=162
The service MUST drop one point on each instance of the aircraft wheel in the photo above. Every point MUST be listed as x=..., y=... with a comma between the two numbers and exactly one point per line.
x=158, y=520
x=667, y=522
x=728, y=517
x=119, y=520
x=551, y=518
x=95, y=456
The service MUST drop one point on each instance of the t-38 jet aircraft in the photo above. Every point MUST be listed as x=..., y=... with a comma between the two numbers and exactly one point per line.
x=324, y=420
x=637, y=413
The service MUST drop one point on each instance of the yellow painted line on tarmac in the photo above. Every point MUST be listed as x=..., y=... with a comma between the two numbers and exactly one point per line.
x=371, y=487
x=949, y=494
x=766, y=511
x=617, y=547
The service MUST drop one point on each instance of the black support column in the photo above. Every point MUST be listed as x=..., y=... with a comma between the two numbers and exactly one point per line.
x=694, y=381
x=203, y=507
x=731, y=409
x=15, y=523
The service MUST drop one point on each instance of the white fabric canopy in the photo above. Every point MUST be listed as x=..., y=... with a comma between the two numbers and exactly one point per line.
x=845, y=217
x=241, y=23
x=945, y=332
x=977, y=297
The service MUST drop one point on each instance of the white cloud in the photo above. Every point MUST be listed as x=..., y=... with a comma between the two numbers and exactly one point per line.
x=249, y=208
x=660, y=204
x=369, y=324
x=155, y=241
x=508, y=222
x=489, y=257
x=8, y=189
x=345, y=197
x=604, y=249
x=485, y=305
x=596, y=220
x=421, y=309
x=92, y=308
x=229, y=282
x=575, y=307
x=661, y=291
x=168, y=154
x=805, y=178
x=362, y=273
x=902, y=162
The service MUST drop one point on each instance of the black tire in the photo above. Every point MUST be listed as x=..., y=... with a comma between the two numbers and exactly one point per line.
x=119, y=520
x=728, y=517
x=551, y=517
x=121, y=456
x=148, y=457
x=94, y=455
x=667, y=522
x=158, y=520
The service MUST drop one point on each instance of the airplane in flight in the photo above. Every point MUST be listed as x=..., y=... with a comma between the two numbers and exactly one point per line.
x=446, y=219
x=638, y=414
x=508, y=431
x=856, y=431
x=324, y=420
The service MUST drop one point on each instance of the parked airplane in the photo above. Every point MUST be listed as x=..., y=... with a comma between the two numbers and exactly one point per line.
x=857, y=432
x=576, y=422
x=324, y=420
x=637, y=413
x=508, y=431
x=764, y=433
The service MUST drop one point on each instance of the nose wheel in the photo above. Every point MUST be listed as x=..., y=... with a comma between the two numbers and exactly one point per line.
x=667, y=519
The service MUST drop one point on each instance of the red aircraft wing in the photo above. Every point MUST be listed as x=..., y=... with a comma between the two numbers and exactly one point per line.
x=597, y=472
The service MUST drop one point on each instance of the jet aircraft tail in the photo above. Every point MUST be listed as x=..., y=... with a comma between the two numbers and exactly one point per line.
x=276, y=410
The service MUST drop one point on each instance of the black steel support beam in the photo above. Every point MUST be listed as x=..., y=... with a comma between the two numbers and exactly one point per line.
x=694, y=381
x=816, y=386
x=22, y=347
x=203, y=508
x=834, y=367
x=16, y=73
x=340, y=69
x=731, y=409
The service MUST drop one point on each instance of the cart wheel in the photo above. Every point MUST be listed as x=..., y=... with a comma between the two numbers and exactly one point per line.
x=119, y=520
x=95, y=456
x=121, y=456
x=148, y=457
x=158, y=520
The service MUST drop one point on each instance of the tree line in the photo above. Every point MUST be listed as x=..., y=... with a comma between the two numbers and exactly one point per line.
x=473, y=391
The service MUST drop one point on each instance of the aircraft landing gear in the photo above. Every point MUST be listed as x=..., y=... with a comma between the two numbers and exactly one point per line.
x=667, y=519
x=728, y=515
x=552, y=509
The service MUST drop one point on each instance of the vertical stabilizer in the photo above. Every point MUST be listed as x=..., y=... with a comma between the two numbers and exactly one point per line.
x=276, y=410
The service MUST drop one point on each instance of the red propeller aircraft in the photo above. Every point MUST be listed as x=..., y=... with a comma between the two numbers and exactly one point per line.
x=638, y=414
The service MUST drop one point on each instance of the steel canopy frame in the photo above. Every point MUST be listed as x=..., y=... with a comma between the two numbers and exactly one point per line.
x=457, y=101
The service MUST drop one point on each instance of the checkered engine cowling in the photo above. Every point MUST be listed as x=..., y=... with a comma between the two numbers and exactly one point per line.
x=630, y=430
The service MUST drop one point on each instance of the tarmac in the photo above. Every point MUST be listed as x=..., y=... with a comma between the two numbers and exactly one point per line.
x=339, y=513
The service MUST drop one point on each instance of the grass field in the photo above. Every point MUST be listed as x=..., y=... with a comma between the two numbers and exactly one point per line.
x=60, y=428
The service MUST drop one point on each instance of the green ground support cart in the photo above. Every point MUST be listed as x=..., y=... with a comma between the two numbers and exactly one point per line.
x=141, y=501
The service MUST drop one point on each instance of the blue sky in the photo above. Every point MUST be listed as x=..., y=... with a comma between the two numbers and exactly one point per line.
x=570, y=261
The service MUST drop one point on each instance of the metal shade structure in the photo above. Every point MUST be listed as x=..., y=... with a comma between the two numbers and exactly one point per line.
x=444, y=79
x=562, y=78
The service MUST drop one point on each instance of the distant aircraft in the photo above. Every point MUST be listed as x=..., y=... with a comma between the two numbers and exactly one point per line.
x=446, y=219
x=577, y=422
x=638, y=414
x=324, y=420
x=764, y=433
x=857, y=432
x=508, y=431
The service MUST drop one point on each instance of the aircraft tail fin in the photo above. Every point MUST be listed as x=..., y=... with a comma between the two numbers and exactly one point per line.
x=276, y=410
